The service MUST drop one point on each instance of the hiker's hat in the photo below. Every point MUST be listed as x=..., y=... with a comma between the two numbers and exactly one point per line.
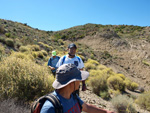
x=68, y=73
x=53, y=53
x=72, y=45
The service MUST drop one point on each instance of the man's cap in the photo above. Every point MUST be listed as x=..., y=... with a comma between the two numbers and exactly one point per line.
x=53, y=53
x=68, y=73
x=72, y=45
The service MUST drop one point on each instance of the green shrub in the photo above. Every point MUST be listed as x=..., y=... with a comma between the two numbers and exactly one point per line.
x=127, y=82
x=35, y=47
x=9, y=42
x=105, y=95
x=101, y=67
x=116, y=83
x=121, y=75
x=2, y=39
x=144, y=100
x=40, y=54
x=134, y=86
x=7, y=34
x=23, y=79
x=22, y=56
x=123, y=104
x=98, y=84
x=44, y=52
x=24, y=49
x=130, y=85
x=93, y=62
x=89, y=66
x=94, y=73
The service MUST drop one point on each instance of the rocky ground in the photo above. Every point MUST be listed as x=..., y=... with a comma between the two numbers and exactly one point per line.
x=89, y=97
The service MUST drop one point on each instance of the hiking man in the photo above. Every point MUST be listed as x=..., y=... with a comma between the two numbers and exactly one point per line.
x=68, y=79
x=52, y=62
x=72, y=58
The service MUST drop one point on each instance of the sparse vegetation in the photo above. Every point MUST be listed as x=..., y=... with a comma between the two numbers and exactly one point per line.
x=144, y=100
x=25, y=69
x=123, y=104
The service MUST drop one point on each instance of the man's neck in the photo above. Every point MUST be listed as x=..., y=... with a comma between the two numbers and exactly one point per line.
x=71, y=56
x=65, y=92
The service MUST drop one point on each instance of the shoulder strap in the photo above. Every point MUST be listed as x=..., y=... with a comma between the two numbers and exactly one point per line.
x=56, y=103
x=78, y=58
x=63, y=59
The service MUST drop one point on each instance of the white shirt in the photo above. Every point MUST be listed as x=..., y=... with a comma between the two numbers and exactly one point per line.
x=76, y=60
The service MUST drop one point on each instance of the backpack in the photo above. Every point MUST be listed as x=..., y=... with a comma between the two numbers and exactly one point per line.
x=65, y=58
x=37, y=104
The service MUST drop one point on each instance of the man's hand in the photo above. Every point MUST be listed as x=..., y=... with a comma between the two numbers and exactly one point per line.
x=52, y=68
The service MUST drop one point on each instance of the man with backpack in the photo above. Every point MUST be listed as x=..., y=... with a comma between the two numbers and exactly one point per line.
x=52, y=62
x=68, y=79
x=72, y=58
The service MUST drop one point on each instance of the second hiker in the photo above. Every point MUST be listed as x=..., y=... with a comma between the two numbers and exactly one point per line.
x=73, y=59
x=52, y=62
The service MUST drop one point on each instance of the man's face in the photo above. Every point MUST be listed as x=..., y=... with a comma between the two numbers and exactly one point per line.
x=72, y=51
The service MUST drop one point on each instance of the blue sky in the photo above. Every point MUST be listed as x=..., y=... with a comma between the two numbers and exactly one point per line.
x=54, y=15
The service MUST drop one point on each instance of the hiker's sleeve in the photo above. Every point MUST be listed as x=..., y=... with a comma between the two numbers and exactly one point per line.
x=81, y=64
x=48, y=108
x=49, y=63
x=80, y=101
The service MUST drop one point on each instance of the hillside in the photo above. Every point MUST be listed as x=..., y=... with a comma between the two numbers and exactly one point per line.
x=123, y=48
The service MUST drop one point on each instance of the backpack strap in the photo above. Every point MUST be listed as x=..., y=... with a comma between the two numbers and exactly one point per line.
x=56, y=103
x=63, y=60
x=78, y=58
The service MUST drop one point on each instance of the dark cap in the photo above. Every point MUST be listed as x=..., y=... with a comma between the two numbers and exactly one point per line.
x=72, y=45
x=68, y=73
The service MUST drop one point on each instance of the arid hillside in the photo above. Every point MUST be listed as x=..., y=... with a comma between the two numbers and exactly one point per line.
x=130, y=56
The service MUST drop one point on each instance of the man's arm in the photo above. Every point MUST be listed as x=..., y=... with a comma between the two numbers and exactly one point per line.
x=93, y=109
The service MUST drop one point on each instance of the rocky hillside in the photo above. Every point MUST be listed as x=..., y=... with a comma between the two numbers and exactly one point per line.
x=124, y=48
x=129, y=56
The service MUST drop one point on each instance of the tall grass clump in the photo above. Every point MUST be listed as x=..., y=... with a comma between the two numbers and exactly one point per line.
x=123, y=104
x=23, y=79
x=144, y=100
